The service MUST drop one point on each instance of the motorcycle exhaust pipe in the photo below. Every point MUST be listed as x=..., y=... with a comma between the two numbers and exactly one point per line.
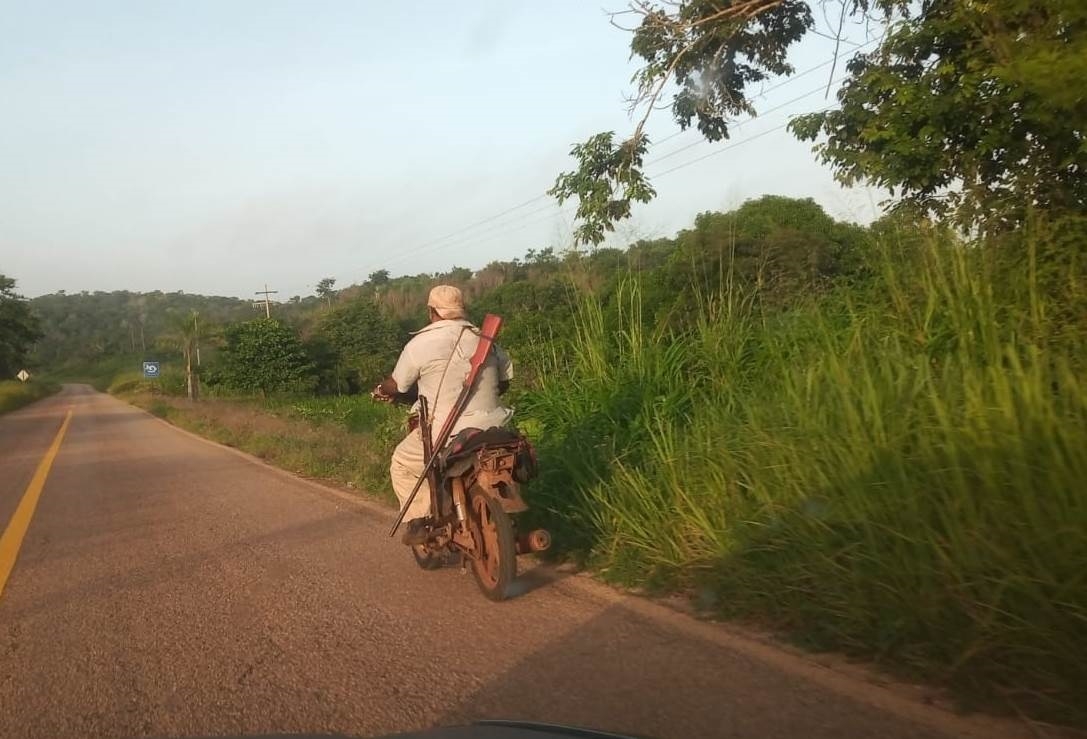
x=534, y=541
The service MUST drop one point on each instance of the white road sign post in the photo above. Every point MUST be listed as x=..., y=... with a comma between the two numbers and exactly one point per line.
x=23, y=375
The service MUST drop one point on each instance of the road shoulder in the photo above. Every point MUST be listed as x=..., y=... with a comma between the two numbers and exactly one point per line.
x=919, y=704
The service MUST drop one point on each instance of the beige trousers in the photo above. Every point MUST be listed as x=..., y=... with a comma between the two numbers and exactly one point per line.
x=405, y=469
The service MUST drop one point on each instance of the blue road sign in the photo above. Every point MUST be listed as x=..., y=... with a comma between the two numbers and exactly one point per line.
x=150, y=369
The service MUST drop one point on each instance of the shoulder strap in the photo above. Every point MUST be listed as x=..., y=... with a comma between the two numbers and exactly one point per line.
x=438, y=392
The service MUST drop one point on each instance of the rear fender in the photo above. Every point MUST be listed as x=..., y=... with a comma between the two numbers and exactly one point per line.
x=509, y=495
x=494, y=477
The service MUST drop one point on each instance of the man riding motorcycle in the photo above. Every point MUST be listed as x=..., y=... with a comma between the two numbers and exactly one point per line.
x=437, y=358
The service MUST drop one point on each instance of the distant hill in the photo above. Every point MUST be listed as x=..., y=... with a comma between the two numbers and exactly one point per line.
x=84, y=327
x=788, y=247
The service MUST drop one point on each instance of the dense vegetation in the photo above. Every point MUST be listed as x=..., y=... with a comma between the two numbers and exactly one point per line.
x=344, y=341
x=872, y=437
x=18, y=329
x=15, y=394
x=83, y=329
x=966, y=111
x=893, y=468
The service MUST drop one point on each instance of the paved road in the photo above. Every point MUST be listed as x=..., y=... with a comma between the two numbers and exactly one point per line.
x=171, y=587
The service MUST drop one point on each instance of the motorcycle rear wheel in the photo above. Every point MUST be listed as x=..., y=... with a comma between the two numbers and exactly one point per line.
x=494, y=563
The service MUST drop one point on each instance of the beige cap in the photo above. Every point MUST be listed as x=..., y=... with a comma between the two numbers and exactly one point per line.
x=447, y=301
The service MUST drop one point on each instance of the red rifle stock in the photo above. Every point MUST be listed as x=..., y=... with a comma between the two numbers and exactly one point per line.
x=488, y=332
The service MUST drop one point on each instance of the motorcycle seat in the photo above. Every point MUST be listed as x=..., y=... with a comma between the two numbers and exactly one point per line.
x=466, y=441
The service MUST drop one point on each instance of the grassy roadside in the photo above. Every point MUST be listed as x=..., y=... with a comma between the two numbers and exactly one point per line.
x=894, y=474
x=893, y=471
x=347, y=441
x=15, y=394
x=314, y=438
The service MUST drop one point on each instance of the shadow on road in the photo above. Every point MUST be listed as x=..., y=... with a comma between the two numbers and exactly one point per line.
x=535, y=578
x=621, y=672
x=145, y=574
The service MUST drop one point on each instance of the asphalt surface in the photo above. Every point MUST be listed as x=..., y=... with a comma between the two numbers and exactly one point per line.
x=168, y=586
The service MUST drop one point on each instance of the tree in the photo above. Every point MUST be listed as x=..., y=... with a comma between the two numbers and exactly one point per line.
x=774, y=250
x=456, y=276
x=82, y=329
x=608, y=180
x=965, y=108
x=378, y=277
x=184, y=335
x=969, y=110
x=266, y=356
x=542, y=257
x=711, y=50
x=325, y=291
x=19, y=329
x=361, y=342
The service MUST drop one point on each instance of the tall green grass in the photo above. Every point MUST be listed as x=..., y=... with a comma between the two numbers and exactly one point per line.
x=15, y=394
x=354, y=413
x=897, y=470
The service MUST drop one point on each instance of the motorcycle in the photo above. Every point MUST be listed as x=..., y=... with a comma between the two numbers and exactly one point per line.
x=474, y=483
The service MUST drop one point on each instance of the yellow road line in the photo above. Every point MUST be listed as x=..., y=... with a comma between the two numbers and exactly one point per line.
x=12, y=539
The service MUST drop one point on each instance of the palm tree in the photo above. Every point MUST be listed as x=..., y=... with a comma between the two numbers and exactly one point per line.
x=325, y=291
x=184, y=335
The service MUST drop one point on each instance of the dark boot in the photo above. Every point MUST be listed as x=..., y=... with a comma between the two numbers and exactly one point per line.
x=415, y=532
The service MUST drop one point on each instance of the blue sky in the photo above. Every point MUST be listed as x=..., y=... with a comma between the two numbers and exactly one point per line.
x=212, y=147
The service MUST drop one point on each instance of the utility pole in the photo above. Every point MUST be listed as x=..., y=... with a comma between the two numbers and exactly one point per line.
x=267, y=306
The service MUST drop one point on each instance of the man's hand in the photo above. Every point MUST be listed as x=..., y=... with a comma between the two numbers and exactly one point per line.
x=388, y=392
x=379, y=394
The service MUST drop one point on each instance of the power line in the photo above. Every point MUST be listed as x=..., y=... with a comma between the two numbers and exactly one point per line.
x=427, y=247
x=467, y=238
x=562, y=211
x=470, y=226
x=787, y=81
x=731, y=146
x=502, y=229
x=652, y=176
x=783, y=83
x=739, y=124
